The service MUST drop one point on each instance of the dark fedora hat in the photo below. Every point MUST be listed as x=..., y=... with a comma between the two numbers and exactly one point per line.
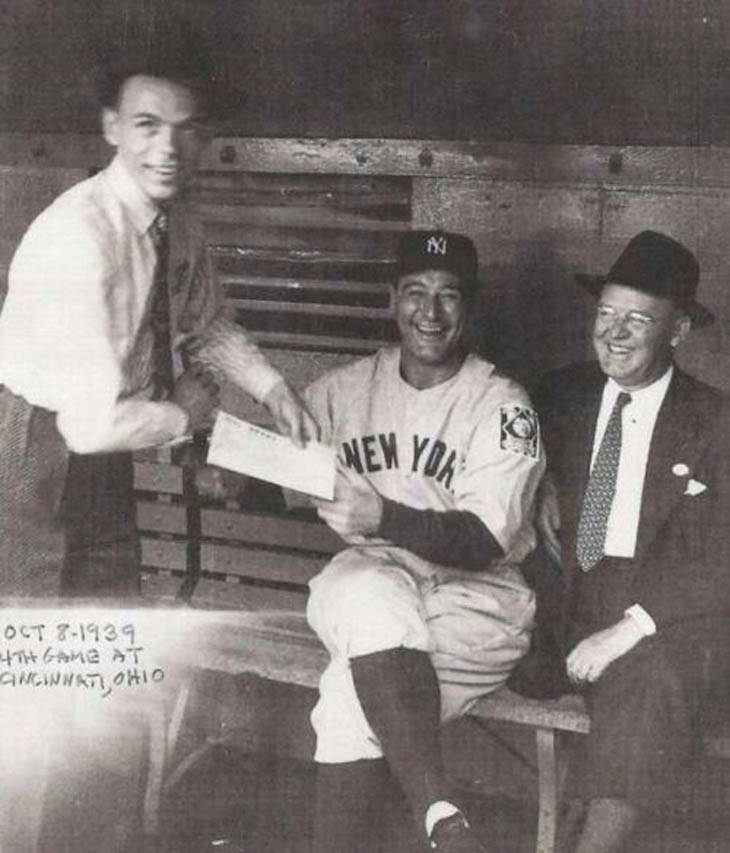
x=659, y=265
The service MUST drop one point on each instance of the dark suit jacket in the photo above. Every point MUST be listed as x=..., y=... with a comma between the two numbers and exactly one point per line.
x=683, y=545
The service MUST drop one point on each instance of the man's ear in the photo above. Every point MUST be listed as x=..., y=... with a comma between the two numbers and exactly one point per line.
x=109, y=124
x=682, y=326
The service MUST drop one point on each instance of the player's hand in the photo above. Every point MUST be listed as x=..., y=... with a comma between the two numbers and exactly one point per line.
x=591, y=656
x=357, y=508
x=548, y=518
x=196, y=392
x=290, y=414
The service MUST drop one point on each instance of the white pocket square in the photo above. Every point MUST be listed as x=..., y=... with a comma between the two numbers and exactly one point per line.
x=694, y=487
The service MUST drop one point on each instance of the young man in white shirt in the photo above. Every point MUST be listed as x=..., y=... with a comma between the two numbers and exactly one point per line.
x=110, y=297
x=639, y=460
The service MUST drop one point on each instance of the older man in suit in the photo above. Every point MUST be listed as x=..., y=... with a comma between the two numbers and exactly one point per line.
x=639, y=460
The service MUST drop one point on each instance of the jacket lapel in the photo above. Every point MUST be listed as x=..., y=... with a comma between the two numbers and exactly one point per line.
x=675, y=441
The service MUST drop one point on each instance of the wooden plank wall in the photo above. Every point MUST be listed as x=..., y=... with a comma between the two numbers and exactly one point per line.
x=302, y=235
x=539, y=213
x=305, y=261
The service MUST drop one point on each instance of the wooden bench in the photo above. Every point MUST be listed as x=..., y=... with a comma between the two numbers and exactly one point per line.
x=227, y=556
x=278, y=645
x=233, y=559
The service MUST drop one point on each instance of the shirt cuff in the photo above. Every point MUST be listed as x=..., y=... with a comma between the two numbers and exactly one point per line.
x=261, y=379
x=130, y=425
x=645, y=622
x=227, y=348
x=175, y=419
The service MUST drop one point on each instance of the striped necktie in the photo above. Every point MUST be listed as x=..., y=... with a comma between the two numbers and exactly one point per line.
x=600, y=491
x=162, y=373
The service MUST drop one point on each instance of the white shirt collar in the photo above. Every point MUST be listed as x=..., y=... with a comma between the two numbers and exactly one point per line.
x=649, y=397
x=638, y=422
x=142, y=209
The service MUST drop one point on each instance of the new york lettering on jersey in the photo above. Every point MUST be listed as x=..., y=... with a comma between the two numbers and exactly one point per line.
x=379, y=451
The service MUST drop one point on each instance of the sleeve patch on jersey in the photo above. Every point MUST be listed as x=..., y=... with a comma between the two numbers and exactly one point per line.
x=519, y=431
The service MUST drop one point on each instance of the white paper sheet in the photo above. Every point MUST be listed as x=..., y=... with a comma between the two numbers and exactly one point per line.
x=249, y=449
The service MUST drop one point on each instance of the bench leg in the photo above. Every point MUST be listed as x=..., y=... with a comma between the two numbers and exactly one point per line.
x=547, y=784
x=156, y=770
x=178, y=713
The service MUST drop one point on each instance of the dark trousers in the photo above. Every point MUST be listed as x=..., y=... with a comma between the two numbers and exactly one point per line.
x=67, y=522
x=647, y=707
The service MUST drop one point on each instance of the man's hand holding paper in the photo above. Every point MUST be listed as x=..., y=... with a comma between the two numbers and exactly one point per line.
x=357, y=508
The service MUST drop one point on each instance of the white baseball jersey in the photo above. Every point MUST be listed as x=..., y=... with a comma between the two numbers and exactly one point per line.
x=469, y=443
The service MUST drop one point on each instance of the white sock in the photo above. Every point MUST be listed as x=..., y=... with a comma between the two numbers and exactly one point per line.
x=438, y=811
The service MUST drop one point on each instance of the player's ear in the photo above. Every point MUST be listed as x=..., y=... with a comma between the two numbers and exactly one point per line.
x=109, y=124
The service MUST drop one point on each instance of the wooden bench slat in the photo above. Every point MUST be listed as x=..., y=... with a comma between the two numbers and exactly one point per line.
x=158, y=477
x=164, y=554
x=240, y=596
x=567, y=713
x=166, y=518
x=160, y=585
x=255, y=563
x=269, y=530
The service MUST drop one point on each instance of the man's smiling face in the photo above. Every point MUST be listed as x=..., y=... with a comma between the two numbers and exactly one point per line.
x=430, y=311
x=634, y=335
x=158, y=132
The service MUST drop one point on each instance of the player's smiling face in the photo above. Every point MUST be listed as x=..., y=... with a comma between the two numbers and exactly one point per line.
x=430, y=311
x=158, y=132
x=634, y=333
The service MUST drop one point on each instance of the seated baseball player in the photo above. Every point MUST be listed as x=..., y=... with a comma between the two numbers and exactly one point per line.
x=427, y=610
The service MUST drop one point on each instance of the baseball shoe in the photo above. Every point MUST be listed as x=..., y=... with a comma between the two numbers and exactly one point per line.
x=454, y=835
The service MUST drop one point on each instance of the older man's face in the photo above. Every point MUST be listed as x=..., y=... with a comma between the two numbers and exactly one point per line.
x=634, y=334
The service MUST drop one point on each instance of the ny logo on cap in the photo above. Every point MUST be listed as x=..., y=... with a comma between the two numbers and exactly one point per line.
x=436, y=245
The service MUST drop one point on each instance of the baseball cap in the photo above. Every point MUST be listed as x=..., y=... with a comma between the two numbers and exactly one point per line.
x=438, y=250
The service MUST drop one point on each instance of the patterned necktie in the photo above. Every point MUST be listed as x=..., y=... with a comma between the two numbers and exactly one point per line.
x=162, y=374
x=600, y=491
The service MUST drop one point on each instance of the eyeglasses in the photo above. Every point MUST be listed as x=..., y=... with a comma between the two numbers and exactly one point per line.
x=634, y=320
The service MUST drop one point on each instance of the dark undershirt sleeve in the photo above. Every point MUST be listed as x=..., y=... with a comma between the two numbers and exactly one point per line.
x=455, y=538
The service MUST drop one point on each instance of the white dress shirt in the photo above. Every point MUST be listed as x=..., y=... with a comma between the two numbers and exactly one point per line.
x=638, y=419
x=75, y=336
